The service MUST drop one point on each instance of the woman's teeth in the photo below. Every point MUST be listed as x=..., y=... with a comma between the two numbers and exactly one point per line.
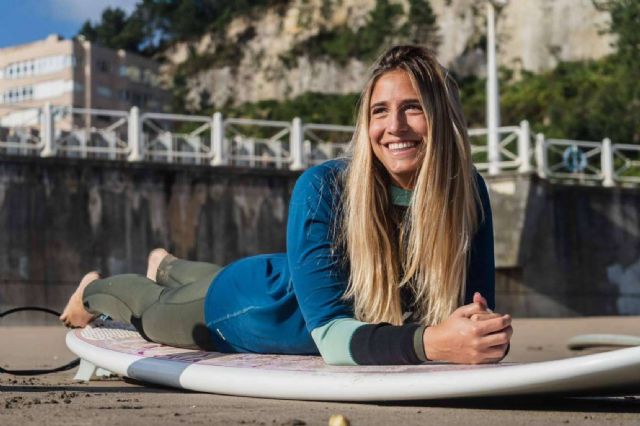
x=401, y=145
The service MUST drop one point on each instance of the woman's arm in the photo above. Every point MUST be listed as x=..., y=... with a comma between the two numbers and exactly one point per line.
x=319, y=277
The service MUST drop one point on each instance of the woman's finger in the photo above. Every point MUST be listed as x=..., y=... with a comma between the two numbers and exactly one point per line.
x=470, y=309
x=497, y=353
x=484, y=316
x=499, y=338
x=479, y=298
x=482, y=328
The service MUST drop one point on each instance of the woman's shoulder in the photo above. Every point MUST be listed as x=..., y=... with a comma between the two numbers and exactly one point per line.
x=483, y=192
x=328, y=168
x=322, y=177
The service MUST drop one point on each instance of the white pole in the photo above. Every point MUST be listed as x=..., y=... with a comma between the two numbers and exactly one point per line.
x=493, y=100
x=606, y=162
x=295, y=145
x=47, y=132
x=524, y=147
x=217, y=140
x=134, y=135
x=541, y=156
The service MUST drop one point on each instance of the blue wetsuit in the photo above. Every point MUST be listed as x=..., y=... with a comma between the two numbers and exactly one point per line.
x=292, y=303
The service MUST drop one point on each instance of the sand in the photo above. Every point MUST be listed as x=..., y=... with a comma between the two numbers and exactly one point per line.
x=55, y=399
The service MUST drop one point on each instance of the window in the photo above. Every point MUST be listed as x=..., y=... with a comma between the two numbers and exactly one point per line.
x=102, y=65
x=134, y=73
x=38, y=66
x=104, y=91
x=124, y=95
x=17, y=94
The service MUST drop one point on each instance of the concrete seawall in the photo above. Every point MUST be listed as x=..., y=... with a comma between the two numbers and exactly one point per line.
x=565, y=250
x=560, y=250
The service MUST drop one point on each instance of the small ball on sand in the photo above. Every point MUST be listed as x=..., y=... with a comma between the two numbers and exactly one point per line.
x=338, y=420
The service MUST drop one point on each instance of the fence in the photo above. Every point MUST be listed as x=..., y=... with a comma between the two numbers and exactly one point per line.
x=218, y=141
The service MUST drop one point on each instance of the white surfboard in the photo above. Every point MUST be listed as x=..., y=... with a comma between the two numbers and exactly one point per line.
x=125, y=352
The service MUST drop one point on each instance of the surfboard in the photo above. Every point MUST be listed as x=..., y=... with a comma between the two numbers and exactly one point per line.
x=123, y=351
x=585, y=341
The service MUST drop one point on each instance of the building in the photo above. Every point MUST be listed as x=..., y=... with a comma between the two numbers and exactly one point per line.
x=75, y=73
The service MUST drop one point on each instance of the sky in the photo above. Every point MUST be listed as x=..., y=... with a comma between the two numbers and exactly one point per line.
x=24, y=21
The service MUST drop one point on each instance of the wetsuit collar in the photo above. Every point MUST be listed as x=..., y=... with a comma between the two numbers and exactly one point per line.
x=400, y=196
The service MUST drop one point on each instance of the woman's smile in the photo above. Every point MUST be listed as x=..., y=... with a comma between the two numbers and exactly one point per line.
x=401, y=149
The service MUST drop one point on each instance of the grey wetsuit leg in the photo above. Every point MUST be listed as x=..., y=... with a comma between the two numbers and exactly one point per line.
x=169, y=315
x=174, y=272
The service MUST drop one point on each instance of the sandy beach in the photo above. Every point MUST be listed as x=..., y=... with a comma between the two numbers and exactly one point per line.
x=55, y=399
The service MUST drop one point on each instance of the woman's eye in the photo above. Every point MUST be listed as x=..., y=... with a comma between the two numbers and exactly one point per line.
x=378, y=110
x=414, y=107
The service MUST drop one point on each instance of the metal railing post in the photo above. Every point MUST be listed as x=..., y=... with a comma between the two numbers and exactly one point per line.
x=606, y=163
x=217, y=141
x=134, y=135
x=541, y=156
x=47, y=132
x=524, y=147
x=295, y=145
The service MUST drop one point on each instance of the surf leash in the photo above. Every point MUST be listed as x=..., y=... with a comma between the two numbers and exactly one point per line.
x=38, y=372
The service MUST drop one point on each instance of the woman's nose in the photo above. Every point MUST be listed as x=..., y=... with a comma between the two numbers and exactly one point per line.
x=397, y=122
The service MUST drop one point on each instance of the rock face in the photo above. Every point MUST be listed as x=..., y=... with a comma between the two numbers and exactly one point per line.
x=532, y=35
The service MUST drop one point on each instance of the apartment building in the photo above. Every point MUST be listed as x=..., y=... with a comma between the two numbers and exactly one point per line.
x=75, y=73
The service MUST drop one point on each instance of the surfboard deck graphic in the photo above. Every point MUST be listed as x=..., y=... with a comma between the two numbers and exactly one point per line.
x=123, y=351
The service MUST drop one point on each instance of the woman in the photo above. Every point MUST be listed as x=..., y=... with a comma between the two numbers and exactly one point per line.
x=382, y=249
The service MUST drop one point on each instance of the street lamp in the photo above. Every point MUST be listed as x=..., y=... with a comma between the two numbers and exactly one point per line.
x=493, y=96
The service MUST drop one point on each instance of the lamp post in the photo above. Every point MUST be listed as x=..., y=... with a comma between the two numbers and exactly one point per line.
x=493, y=96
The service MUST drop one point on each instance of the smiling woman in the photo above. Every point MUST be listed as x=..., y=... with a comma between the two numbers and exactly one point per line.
x=389, y=252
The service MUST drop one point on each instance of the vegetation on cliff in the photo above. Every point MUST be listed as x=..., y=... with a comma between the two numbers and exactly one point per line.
x=582, y=100
x=386, y=22
x=154, y=25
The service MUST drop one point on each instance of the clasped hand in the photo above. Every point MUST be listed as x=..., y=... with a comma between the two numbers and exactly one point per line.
x=473, y=334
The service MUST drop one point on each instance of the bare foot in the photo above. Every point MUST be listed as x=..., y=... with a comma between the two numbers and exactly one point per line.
x=74, y=314
x=155, y=258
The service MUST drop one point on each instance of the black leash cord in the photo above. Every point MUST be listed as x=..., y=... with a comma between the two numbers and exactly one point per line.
x=65, y=367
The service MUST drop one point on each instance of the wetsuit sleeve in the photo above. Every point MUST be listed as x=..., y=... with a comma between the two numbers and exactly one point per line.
x=346, y=341
x=319, y=279
x=481, y=271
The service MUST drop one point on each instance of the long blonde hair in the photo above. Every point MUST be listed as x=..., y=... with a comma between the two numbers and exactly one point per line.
x=428, y=248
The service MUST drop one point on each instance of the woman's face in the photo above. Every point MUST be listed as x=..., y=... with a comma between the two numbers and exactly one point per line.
x=397, y=127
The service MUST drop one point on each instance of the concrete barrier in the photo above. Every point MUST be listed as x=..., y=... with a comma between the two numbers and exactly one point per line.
x=560, y=250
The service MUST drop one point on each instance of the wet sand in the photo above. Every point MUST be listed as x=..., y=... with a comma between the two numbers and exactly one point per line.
x=55, y=399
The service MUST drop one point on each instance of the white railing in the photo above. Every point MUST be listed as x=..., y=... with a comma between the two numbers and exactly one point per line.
x=174, y=138
x=89, y=133
x=626, y=163
x=513, y=149
x=218, y=141
x=21, y=136
x=325, y=141
x=258, y=143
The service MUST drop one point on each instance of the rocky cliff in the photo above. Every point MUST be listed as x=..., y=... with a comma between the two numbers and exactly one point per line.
x=283, y=51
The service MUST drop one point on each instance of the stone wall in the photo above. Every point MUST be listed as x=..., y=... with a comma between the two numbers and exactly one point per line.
x=60, y=218
x=560, y=250
x=565, y=250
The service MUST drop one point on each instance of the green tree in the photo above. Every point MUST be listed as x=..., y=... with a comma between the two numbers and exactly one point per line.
x=115, y=30
x=421, y=26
